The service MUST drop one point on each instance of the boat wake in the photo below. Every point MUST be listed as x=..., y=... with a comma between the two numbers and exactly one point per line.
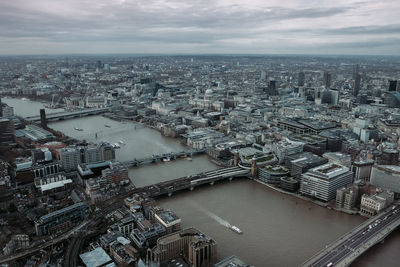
x=214, y=216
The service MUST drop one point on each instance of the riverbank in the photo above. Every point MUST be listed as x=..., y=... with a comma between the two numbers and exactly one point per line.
x=317, y=202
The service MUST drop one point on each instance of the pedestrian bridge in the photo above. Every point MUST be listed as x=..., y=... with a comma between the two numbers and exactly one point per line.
x=347, y=248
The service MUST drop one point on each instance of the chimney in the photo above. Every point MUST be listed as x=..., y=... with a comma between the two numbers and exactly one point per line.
x=43, y=122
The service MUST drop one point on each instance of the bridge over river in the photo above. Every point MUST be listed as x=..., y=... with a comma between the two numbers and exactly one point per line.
x=69, y=114
x=347, y=248
x=163, y=157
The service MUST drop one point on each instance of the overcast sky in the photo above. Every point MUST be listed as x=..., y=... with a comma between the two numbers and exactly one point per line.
x=200, y=26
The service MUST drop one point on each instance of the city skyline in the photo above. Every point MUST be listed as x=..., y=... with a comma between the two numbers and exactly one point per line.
x=206, y=27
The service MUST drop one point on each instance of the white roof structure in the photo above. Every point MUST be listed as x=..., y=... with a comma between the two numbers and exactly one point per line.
x=96, y=257
x=54, y=185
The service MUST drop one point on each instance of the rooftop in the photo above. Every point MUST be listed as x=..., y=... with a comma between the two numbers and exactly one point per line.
x=96, y=257
x=329, y=170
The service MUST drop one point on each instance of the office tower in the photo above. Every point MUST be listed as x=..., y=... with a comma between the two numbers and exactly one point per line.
x=357, y=83
x=392, y=99
x=327, y=79
x=98, y=64
x=392, y=85
x=43, y=122
x=263, y=75
x=6, y=132
x=322, y=182
x=272, y=88
x=301, y=79
x=356, y=70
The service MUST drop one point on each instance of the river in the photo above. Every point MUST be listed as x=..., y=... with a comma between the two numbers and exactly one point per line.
x=27, y=108
x=279, y=230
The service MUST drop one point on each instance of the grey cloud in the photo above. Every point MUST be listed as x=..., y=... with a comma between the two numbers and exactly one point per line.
x=385, y=29
x=192, y=23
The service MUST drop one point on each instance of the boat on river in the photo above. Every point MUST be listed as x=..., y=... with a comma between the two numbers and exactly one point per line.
x=236, y=229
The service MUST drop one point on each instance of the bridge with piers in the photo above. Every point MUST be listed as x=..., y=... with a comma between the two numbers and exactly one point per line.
x=69, y=115
x=192, y=181
x=347, y=248
x=163, y=157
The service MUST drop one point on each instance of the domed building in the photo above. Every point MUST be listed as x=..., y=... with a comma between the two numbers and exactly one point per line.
x=208, y=94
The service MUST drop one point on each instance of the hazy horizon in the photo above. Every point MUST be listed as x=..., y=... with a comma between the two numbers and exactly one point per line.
x=231, y=27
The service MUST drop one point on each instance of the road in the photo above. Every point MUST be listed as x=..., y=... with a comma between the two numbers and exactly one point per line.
x=355, y=242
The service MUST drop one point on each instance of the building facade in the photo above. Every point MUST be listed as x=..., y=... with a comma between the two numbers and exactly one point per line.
x=322, y=182
x=61, y=220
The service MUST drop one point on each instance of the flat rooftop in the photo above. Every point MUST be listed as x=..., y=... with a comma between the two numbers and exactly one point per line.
x=329, y=170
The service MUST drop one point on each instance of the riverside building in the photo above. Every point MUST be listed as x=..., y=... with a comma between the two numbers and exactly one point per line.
x=322, y=182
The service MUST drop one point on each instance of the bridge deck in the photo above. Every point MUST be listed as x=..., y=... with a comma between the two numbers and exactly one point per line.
x=57, y=115
x=348, y=247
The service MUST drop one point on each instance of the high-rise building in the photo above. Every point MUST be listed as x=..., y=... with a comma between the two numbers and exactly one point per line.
x=356, y=70
x=272, y=88
x=327, y=79
x=392, y=99
x=98, y=64
x=300, y=81
x=357, y=84
x=392, y=85
x=1, y=108
x=6, y=132
x=263, y=75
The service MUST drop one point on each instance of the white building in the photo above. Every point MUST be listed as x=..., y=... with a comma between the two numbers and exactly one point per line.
x=69, y=158
x=322, y=182
x=95, y=101
x=285, y=148
x=373, y=204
